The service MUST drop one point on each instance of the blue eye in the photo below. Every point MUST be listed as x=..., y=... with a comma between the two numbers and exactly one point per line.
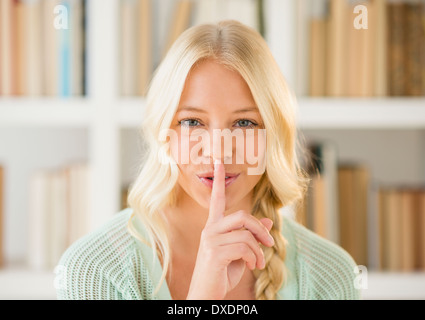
x=191, y=122
x=182, y=122
x=247, y=126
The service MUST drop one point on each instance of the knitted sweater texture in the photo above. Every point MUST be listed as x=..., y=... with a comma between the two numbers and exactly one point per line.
x=111, y=264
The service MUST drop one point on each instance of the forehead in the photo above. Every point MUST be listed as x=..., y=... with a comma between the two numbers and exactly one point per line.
x=211, y=85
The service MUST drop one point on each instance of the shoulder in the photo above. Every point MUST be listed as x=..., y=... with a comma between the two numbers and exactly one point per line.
x=101, y=265
x=325, y=270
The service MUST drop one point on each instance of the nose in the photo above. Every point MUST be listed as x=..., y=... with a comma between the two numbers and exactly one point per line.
x=219, y=146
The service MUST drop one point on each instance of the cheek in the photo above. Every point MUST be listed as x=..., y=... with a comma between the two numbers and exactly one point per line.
x=179, y=147
x=255, y=145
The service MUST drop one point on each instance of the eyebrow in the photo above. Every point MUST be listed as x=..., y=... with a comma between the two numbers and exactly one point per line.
x=188, y=108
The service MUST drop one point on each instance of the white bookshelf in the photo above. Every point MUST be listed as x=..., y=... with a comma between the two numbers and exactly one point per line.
x=45, y=112
x=313, y=113
x=105, y=116
x=394, y=286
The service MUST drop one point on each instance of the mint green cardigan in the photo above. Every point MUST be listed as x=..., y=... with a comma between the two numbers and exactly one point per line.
x=110, y=263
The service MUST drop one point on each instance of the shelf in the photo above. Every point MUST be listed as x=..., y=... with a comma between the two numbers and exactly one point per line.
x=130, y=112
x=326, y=113
x=314, y=113
x=21, y=283
x=361, y=113
x=396, y=286
x=42, y=112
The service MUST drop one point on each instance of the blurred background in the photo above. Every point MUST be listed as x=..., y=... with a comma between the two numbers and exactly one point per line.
x=73, y=76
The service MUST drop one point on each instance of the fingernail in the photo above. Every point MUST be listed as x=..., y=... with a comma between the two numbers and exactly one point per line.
x=216, y=162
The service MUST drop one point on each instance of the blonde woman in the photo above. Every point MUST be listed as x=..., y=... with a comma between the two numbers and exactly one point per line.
x=202, y=223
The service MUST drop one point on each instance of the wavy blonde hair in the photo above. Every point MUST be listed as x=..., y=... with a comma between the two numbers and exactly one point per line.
x=283, y=183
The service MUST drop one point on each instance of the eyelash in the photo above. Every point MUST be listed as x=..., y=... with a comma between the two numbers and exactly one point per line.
x=250, y=126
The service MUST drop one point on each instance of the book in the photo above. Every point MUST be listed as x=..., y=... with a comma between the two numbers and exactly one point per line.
x=353, y=188
x=380, y=49
x=336, y=49
x=78, y=193
x=20, y=11
x=77, y=47
x=32, y=48
x=58, y=216
x=346, y=209
x=50, y=49
x=320, y=208
x=414, y=37
x=38, y=218
x=420, y=230
x=396, y=53
x=360, y=49
x=145, y=46
x=42, y=49
x=401, y=228
x=317, y=57
x=8, y=46
x=407, y=226
x=386, y=59
x=58, y=213
x=64, y=52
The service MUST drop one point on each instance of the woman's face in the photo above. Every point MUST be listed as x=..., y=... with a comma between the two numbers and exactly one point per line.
x=215, y=102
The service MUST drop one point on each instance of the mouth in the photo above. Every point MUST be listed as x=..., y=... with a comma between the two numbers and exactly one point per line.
x=207, y=179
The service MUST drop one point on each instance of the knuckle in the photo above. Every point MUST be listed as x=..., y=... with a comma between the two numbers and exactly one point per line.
x=243, y=248
x=247, y=236
x=242, y=215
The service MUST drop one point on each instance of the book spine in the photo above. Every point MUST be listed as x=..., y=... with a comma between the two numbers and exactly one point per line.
x=317, y=57
x=64, y=55
x=50, y=49
x=336, y=51
x=76, y=48
x=421, y=230
x=33, y=54
x=413, y=36
x=396, y=43
x=380, y=54
x=407, y=231
x=145, y=46
x=38, y=220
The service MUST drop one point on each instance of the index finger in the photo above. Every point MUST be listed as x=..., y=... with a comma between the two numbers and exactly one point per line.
x=218, y=194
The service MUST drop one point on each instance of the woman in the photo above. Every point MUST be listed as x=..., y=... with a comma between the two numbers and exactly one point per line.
x=201, y=223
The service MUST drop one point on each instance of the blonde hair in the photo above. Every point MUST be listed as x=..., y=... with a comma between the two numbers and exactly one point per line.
x=283, y=183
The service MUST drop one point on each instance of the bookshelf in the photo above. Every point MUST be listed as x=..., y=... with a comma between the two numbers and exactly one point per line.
x=104, y=115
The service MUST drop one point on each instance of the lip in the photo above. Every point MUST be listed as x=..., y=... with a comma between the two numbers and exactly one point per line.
x=209, y=183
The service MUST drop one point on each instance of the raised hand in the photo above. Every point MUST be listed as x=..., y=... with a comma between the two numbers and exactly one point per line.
x=228, y=245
